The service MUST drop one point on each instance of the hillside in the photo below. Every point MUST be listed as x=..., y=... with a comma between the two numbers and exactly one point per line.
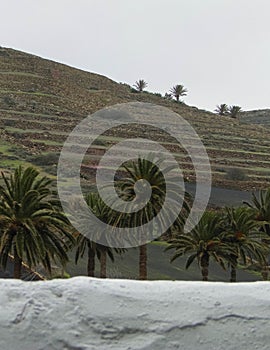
x=261, y=117
x=41, y=101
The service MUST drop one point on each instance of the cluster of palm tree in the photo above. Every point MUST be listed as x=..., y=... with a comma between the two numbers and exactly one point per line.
x=94, y=249
x=224, y=110
x=179, y=90
x=176, y=91
x=231, y=237
x=35, y=231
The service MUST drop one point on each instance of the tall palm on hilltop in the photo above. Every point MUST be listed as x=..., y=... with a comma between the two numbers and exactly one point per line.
x=33, y=227
x=203, y=242
x=242, y=233
x=177, y=91
x=140, y=85
x=222, y=109
x=233, y=111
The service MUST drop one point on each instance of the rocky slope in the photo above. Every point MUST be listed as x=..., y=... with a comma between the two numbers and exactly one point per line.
x=261, y=117
x=41, y=101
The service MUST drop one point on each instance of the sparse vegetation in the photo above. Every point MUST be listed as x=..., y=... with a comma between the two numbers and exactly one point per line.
x=45, y=159
x=168, y=96
x=177, y=91
x=236, y=174
x=222, y=109
x=9, y=101
x=39, y=122
x=225, y=110
x=233, y=111
x=140, y=85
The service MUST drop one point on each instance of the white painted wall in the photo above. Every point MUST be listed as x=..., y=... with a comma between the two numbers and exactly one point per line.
x=83, y=313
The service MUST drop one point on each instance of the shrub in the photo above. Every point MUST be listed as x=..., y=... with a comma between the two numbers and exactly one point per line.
x=51, y=169
x=168, y=96
x=236, y=174
x=10, y=122
x=45, y=159
x=134, y=91
x=8, y=101
x=140, y=85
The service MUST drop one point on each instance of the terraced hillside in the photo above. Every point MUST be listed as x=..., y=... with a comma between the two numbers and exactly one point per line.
x=261, y=117
x=41, y=101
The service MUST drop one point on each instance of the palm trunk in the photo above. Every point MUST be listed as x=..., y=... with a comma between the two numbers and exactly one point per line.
x=205, y=266
x=103, y=263
x=143, y=262
x=264, y=272
x=267, y=229
x=17, y=273
x=265, y=269
x=91, y=261
x=233, y=273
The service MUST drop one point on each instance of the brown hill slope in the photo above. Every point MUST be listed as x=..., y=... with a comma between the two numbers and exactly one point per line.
x=261, y=117
x=41, y=101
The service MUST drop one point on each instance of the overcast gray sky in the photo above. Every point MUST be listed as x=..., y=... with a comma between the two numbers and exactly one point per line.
x=218, y=49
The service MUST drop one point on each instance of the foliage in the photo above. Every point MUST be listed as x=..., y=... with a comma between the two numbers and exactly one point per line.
x=260, y=206
x=202, y=243
x=45, y=159
x=242, y=233
x=222, y=109
x=140, y=85
x=177, y=91
x=83, y=243
x=225, y=110
x=143, y=173
x=168, y=96
x=236, y=174
x=233, y=111
x=33, y=226
x=8, y=101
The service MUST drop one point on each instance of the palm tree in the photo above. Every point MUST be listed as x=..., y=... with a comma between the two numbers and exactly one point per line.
x=202, y=243
x=140, y=85
x=94, y=249
x=83, y=243
x=242, y=232
x=233, y=111
x=177, y=91
x=261, y=208
x=143, y=169
x=33, y=227
x=222, y=109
